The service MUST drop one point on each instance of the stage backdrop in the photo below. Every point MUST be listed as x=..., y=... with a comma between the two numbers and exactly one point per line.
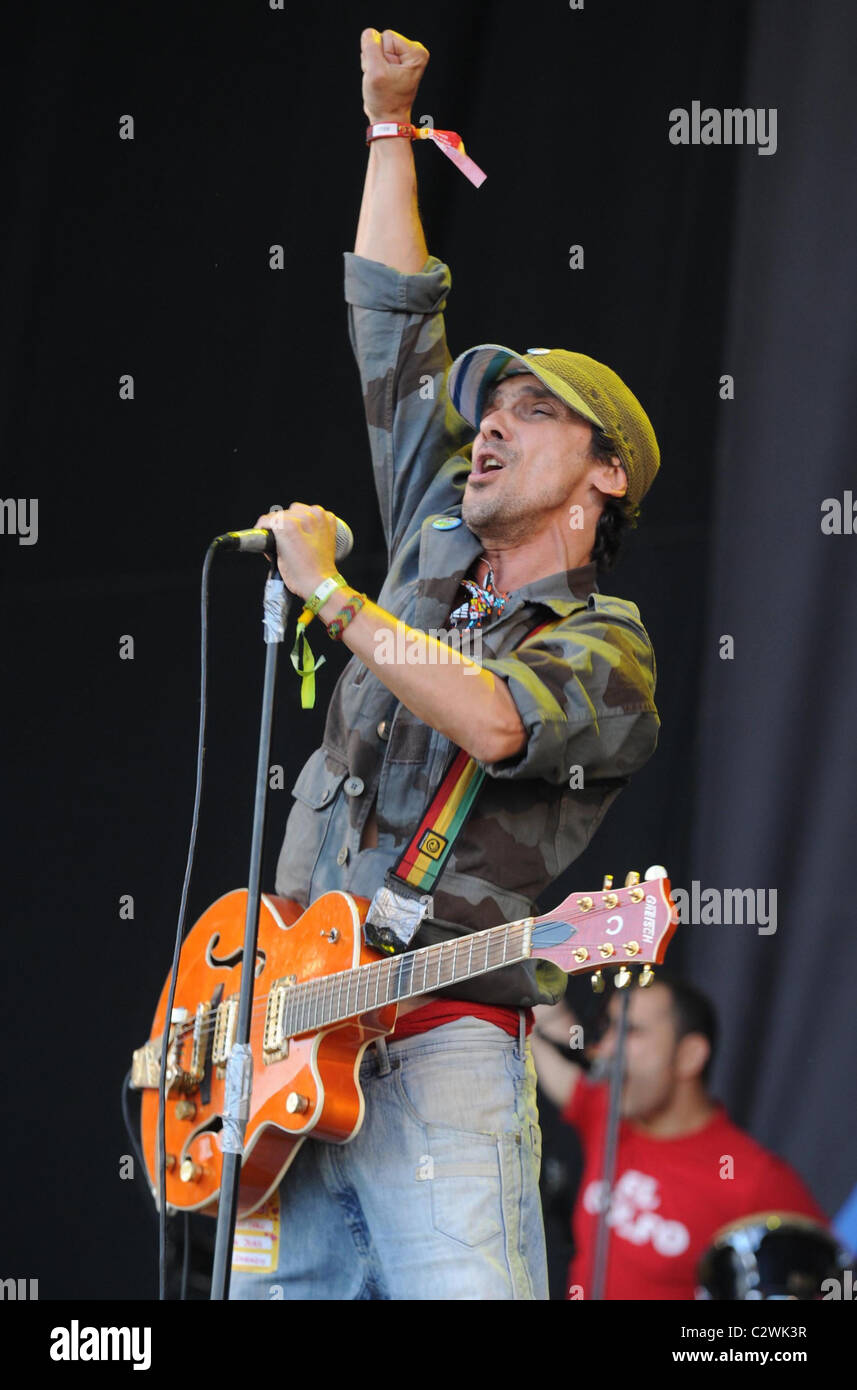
x=774, y=803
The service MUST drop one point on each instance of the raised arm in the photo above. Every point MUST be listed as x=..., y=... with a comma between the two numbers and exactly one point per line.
x=396, y=294
x=389, y=229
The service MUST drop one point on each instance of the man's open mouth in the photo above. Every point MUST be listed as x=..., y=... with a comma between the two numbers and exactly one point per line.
x=485, y=464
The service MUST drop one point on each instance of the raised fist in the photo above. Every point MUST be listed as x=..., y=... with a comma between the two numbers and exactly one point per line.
x=392, y=67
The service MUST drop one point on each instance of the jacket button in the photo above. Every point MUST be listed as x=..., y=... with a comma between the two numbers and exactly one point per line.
x=383, y=730
x=325, y=796
x=342, y=856
x=354, y=786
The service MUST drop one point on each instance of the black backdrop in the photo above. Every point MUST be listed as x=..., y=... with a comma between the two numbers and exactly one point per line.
x=151, y=257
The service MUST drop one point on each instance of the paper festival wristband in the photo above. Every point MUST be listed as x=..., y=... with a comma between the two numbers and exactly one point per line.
x=449, y=141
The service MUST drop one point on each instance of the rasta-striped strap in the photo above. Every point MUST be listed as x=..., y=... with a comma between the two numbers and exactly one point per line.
x=422, y=861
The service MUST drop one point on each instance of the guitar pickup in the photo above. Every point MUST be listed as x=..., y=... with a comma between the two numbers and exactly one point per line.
x=275, y=1046
x=224, y=1033
x=200, y=1030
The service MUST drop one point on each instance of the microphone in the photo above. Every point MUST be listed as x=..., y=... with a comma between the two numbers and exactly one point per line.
x=261, y=541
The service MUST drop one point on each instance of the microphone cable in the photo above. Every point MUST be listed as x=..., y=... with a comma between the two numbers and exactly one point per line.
x=160, y=1147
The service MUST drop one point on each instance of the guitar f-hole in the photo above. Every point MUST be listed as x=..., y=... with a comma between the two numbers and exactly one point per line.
x=234, y=958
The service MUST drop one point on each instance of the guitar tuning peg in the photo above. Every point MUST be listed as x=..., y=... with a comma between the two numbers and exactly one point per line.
x=608, y=881
x=656, y=871
x=646, y=976
x=597, y=981
x=622, y=978
x=631, y=878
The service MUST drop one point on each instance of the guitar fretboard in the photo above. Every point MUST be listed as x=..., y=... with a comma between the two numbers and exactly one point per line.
x=316, y=1004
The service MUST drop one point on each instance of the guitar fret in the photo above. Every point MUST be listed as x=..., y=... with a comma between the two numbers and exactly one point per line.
x=389, y=994
x=329, y=1009
x=315, y=1004
x=405, y=976
x=380, y=980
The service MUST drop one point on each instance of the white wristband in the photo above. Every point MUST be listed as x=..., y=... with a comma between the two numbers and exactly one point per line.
x=327, y=587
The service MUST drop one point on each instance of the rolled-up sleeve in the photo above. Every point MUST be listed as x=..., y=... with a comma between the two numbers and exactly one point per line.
x=585, y=695
x=398, y=336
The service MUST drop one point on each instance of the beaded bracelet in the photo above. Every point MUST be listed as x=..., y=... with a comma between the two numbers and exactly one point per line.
x=337, y=625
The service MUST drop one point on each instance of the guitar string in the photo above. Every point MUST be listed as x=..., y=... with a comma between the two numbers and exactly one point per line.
x=302, y=993
x=305, y=997
x=304, y=990
x=308, y=993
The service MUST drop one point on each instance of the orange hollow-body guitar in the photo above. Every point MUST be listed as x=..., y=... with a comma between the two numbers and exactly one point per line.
x=321, y=995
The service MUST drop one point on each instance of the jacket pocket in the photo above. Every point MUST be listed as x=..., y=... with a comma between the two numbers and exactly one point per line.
x=319, y=780
x=315, y=793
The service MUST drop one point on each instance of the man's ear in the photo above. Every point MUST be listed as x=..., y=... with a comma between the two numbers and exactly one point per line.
x=692, y=1053
x=611, y=478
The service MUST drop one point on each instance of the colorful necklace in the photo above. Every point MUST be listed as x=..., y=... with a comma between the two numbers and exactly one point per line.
x=481, y=603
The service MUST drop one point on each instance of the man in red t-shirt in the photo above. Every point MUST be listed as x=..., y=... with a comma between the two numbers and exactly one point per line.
x=683, y=1169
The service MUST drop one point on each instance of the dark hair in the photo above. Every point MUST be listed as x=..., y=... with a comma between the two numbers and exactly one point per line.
x=618, y=516
x=693, y=1012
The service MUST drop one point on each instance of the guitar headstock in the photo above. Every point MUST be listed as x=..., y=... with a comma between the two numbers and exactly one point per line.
x=631, y=925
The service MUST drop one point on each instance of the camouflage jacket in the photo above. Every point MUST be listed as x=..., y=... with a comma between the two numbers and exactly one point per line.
x=584, y=689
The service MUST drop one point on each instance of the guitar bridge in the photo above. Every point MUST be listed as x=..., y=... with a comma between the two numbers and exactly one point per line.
x=146, y=1060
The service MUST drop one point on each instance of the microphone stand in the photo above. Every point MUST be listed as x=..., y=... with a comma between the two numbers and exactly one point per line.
x=239, y=1068
x=602, y=1238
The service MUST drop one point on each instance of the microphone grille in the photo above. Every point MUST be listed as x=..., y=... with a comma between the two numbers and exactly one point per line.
x=344, y=539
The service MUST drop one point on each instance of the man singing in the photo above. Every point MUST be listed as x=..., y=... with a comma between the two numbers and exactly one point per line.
x=504, y=480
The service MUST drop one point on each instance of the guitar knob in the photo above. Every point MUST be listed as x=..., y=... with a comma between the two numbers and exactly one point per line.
x=171, y=1162
x=656, y=871
x=185, y=1110
x=190, y=1171
x=597, y=981
x=296, y=1104
x=622, y=978
x=646, y=976
x=631, y=878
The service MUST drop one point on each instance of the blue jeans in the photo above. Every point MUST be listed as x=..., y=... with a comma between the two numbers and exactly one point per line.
x=435, y=1198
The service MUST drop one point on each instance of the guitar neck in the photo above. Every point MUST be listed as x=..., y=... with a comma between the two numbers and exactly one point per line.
x=320, y=1003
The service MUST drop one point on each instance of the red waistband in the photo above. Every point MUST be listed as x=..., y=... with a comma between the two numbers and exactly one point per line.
x=439, y=1011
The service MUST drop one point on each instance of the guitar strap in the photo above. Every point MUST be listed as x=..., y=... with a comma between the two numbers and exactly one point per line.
x=399, y=907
